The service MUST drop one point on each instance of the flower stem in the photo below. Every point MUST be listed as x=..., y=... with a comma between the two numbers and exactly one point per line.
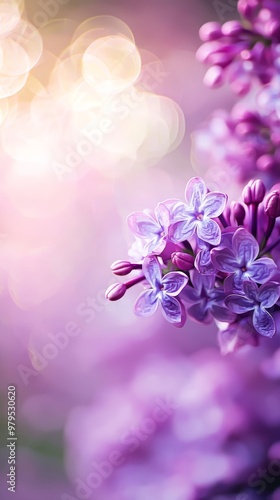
x=268, y=233
x=254, y=218
x=270, y=247
x=223, y=220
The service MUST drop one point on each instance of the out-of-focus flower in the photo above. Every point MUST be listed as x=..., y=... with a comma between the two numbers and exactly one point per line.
x=208, y=300
x=240, y=143
x=243, y=51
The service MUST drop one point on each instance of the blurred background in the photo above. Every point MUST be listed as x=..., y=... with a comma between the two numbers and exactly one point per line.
x=111, y=407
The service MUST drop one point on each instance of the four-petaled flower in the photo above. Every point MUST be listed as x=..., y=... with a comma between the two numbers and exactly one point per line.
x=257, y=300
x=163, y=290
x=152, y=229
x=197, y=214
x=241, y=261
x=208, y=300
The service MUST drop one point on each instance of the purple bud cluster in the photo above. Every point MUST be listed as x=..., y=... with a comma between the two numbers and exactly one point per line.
x=240, y=52
x=209, y=259
x=241, y=143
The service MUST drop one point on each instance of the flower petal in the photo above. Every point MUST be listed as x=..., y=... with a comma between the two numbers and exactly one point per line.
x=239, y=304
x=146, y=304
x=182, y=230
x=203, y=262
x=263, y=322
x=222, y=313
x=155, y=246
x=214, y=204
x=269, y=294
x=152, y=271
x=261, y=270
x=142, y=225
x=180, y=211
x=195, y=192
x=200, y=313
x=251, y=290
x=172, y=308
x=191, y=294
x=224, y=260
x=208, y=230
x=203, y=281
x=244, y=246
x=163, y=215
x=236, y=336
x=174, y=283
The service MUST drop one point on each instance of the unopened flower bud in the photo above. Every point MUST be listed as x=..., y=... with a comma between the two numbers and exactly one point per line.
x=254, y=192
x=210, y=31
x=183, y=261
x=115, y=291
x=124, y=267
x=239, y=213
x=272, y=205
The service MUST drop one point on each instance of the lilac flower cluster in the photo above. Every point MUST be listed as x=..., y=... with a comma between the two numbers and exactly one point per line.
x=209, y=259
x=241, y=143
x=246, y=141
x=243, y=51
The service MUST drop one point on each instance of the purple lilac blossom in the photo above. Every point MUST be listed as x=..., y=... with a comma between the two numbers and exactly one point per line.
x=196, y=216
x=241, y=261
x=208, y=300
x=153, y=230
x=163, y=290
x=257, y=300
x=241, y=250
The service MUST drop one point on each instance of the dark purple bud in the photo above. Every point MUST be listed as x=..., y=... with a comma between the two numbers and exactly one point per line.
x=254, y=192
x=272, y=204
x=123, y=267
x=239, y=213
x=183, y=261
x=210, y=31
x=115, y=291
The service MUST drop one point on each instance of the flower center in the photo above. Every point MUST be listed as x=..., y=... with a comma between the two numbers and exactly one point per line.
x=199, y=216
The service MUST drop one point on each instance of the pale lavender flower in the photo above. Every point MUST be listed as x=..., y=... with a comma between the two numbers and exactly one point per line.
x=241, y=261
x=208, y=300
x=152, y=229
x=257, y=300
x=164, y=290
x=196, y=216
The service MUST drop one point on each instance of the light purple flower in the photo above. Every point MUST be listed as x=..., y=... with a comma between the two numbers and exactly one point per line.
x=241, y=261
x=208, y=300
x=257, y=300
x=164, y=290
x=152, y=229
x=196, y=216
